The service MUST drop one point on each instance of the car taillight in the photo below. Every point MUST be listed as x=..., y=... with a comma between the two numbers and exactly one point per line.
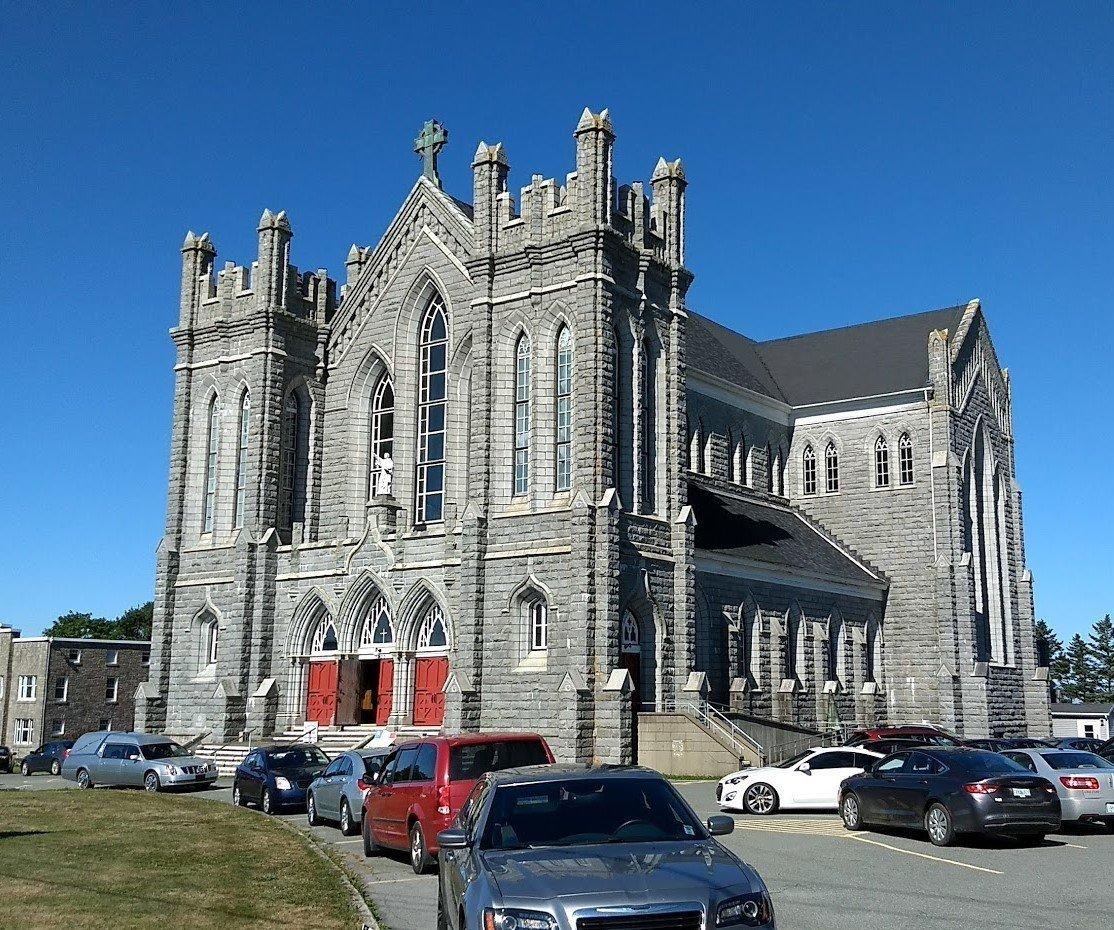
x=363, y=785
x=981, y=787
x=65, y=754
x=443, y=800
x=1080, y=782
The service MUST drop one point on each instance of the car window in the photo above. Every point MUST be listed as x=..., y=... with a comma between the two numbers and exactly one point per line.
x=893, y=763
x=114, y=751
x=863, y=761
x=472, y=760
x=1023, y=759
x=296, y=757
x=832, y=760
x=792, y=760
x=466, y=820
x=167, y=750
x=425, y=765
x=373, y=764
x=389, y=767
x=334, y=768
x=405, y=765
x=920, y=764
x=1076, y=760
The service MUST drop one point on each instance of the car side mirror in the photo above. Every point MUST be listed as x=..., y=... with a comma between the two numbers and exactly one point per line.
x=457, y=839
x=805, y=767
x=720, y=825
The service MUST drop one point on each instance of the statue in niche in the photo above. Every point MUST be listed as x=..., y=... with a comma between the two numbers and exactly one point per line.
x=384, y=474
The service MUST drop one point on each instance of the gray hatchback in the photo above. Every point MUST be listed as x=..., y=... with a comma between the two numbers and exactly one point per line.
x=338, y=793
x=139, y=760
x=563, y=847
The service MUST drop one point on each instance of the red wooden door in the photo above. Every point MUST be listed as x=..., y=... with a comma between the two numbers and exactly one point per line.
x=429, y=701
x=632, y=662
x=321, y=699
x=383, y=691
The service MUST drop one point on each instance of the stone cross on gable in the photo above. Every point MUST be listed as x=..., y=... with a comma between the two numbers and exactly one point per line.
x=428, y=145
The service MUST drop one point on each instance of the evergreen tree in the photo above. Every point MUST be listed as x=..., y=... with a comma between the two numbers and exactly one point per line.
x=1101, y=646
x=1082, y=679
x=1050, y=652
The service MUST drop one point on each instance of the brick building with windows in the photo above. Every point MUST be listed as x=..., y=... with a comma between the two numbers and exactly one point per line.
x=506, y=477
x=53, y=687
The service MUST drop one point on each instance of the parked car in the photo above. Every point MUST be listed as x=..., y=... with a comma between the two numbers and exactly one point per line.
x=338, y=793
x=947, y=791
x=810, y=779
x=1001, y=744
x=919, y=734
x=1080, y=743
x=47, y=758
x=619, y=847
x=889, y=744
x=137, y=759
x=1106, y=750
x=278, y=776
x=424, y=783
x=1083, y=780
x=5, y=759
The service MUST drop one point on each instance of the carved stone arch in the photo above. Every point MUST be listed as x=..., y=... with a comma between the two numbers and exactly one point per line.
x=550, y=322
x=530, y=583
x=640, y=605
x=354, y=606
x=208, y=608
x=412, y=609
x=374, y=364
x=313, y=607
x=427, y=282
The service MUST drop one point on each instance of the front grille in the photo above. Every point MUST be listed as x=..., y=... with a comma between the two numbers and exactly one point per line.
x=679, y=920
x=193, y=769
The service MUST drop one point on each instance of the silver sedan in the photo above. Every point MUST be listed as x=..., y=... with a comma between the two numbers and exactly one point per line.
x=1084, y=781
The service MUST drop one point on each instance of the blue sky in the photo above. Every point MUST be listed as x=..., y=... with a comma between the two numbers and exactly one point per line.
x=846, y=162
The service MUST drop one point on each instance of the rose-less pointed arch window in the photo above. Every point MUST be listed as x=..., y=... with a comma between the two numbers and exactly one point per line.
x=242, y=460
x=213, y=450
x=295, y=460
x=324, y=637
x=433, y=345
x=905, y=459
x=433, y=634
x=378, y=630
x=831, y=468
x=881, y=463
x=522, y=385
x=808, y=471
x=563, y=451
x=381, y=435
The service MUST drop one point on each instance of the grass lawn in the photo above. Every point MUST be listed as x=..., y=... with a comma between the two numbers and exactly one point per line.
x=120, y=859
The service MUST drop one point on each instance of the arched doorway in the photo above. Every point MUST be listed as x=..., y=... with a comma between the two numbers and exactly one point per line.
x=431, y=667
x=375, y=652
x=323, y=682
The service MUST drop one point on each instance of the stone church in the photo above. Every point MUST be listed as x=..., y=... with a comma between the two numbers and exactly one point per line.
x=505, y=477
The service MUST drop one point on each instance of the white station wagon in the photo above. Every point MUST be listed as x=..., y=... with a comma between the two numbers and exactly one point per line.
x=810, y=780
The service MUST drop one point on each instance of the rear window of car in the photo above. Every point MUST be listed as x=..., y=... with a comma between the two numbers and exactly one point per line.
x=372, y=764
x=981, y=762
x=472, y=760
x=1076, y=760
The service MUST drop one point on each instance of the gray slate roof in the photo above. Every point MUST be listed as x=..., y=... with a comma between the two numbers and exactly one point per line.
x=773, y=534
x=1085, y=710
x=864, y=360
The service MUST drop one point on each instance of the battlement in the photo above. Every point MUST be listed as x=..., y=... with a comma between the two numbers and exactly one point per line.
x=270, y=281
x=549, y=211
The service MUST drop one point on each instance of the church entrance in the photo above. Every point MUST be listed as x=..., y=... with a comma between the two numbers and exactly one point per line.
x=321, y=695
x=630, y=658
x=430, y=675
x=377, y=679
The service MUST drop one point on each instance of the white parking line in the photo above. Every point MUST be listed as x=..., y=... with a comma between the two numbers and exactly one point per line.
x=921, y=855
x=1074, y=846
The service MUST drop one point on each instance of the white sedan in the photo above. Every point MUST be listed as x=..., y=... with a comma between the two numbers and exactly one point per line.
x=810, y=779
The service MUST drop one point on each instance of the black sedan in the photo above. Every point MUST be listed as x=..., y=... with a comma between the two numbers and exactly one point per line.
x=277, y=776
x=5, y=759
x=947, y=791
x=47, y=758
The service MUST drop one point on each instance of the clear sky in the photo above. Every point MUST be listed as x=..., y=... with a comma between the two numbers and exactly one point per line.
x=846, y=162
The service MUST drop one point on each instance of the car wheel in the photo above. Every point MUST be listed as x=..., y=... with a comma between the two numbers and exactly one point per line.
x=938, y=823
x=370, y=846
x=268, y=804
x=238, y=796
x=83, y=779
x=151, y=782
x=24, y=770
x=760, y=799
x=419, y=857
x=55, y=767
x=311, y=811
x=347, y=826
x=851, y=812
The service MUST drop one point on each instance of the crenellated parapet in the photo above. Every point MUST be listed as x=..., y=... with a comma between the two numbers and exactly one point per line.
x=270, y=282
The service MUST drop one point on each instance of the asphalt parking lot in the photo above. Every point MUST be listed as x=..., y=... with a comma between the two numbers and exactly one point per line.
x=821, y=876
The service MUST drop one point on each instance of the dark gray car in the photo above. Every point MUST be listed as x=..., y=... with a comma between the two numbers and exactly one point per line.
x=338, y=793
x=573, y=847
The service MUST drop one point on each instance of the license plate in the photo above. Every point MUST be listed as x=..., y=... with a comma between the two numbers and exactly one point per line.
x=1110, y=807
x=200, y=777
x=1021, y=792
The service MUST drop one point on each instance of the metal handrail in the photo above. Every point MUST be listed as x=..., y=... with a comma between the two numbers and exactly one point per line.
x=711, y=718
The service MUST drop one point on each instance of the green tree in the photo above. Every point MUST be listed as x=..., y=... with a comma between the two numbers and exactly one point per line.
x=1050, y=651
x=1101, y=646
x=1081, y=679
x=133, y=623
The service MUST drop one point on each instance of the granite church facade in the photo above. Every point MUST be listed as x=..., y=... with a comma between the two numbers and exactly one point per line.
x=506, y=478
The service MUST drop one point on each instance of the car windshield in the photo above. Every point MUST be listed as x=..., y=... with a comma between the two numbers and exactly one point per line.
x=471, y=760
x=1076, y=760
x=983, y=763
x=165, y=750
x=296, y=757
x=587, y=811
x=793, y=760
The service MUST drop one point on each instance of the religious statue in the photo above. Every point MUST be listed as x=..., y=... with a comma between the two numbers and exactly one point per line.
x=384, y=474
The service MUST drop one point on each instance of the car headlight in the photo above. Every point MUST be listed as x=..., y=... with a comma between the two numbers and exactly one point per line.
x=510, y=918
x=283, y=784
x=172, y=770
x=747, y=910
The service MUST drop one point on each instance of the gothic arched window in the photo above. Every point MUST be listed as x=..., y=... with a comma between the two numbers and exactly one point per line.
x=324, y=637
x=381, y=431
x=522, y=416
x=881, y=463
x=649, y=425
x=210, y=639
x=378, y=629
x=831, y=468
x=808, y=471
x=432, y=634
x=295, y=460
x=563, y=445
x=211, y=455
x=433, y=345
x=629, y=636
x=905, y=459
x=539, y=625
x=242, y=461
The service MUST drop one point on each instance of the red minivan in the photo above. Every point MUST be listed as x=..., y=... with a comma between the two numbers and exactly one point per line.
x=423, y=784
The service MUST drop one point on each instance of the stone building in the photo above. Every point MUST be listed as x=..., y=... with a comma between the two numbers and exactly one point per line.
x=55, y=687
x=506, y=478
